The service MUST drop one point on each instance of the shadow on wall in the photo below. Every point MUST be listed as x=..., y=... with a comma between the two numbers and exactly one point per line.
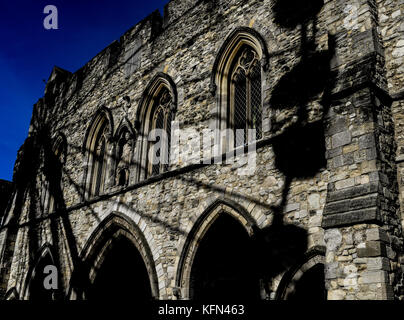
x=299, y=152
x=300, y=148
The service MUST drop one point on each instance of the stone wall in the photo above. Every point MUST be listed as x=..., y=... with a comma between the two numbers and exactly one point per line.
x=348, y=204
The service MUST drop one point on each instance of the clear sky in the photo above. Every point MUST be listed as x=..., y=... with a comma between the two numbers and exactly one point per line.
x=28, y=53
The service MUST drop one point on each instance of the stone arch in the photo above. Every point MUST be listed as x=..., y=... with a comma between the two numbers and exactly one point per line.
x=238, y=37
x=196, y=234
x=124, y=125
x=314, y=257
x=97, y=162
x=238, y=81
x=101, y=242
x=158, y=80
x=54, y=162
x=144, y=116
x=12, y=294
x=32, y=282
x=102, y=114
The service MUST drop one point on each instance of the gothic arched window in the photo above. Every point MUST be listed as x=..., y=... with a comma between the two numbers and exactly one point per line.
x=155, y=115
x=244, y=106
x=160, y=142
x=97, y=149
x=52, y=188
x=99, y=162
x=58, y=158
x=237, y=82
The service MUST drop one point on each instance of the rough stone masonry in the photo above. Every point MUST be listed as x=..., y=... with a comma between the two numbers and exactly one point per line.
x=327, y=189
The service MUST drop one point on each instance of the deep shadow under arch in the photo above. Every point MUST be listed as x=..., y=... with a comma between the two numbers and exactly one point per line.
x=122, y=275
x=311, y=286
x=223, y=267
x=306, y=279
x=201, y=225
x=117, y=236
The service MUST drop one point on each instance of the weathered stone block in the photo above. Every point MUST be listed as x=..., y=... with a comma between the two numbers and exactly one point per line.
x=372, y=249
x=351, y=217
x=345, y=183
x=376, y=234
x=378, y=263
x=341, y=139
x=374, y=277
x=367, y=141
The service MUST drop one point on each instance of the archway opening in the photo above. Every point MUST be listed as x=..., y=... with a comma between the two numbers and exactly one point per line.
x=38, y=292
x=223, y=267
x=311, y=286
x=122, y=275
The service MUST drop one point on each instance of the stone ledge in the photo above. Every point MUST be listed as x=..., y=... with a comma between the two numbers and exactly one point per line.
x=351, y=204
x=370, y=215
x=353, y=192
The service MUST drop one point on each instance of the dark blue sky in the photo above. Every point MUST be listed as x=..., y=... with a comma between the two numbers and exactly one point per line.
x=28, y=53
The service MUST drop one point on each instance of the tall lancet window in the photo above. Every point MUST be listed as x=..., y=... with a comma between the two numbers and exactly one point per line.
x=52, y=176
x=97, y=154
x=160, y=142
x=58, y=159
x=99, y=163
x=155, y=115
x=238, y=82
x=245, y=97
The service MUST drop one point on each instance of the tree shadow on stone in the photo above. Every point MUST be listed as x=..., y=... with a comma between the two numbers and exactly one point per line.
x=303, y=93
x=290, y=13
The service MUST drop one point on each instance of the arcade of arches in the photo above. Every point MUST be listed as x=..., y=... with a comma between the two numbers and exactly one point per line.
x=223, y=268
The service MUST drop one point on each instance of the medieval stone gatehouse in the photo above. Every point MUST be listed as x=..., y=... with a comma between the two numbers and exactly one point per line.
x=305, y=203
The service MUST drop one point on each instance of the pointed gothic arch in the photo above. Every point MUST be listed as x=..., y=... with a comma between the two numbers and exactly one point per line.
x=237, y=81
x=34, y=287
x=156, y=111
x=115, y=233
x=96, y=149
x=55, y=161
x=222, y=212
x=306, y=279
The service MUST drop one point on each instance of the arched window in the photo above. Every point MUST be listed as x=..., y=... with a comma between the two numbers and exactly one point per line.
x=52, y=187
x=156, y=112
x=58, y=158
x=245, y=97
x=99, y=162
x=237, y=82
x=160, y=142
x=97, y=149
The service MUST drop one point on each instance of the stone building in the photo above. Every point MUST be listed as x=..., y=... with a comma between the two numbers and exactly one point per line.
x=306, y=203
